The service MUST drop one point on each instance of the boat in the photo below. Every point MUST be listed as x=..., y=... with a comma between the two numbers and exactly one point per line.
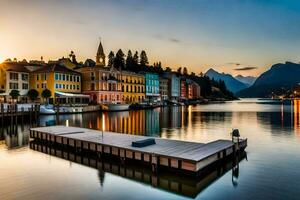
x=115, y=107
x=45, y=110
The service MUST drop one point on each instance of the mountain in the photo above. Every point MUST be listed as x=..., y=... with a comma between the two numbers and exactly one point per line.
x=248, y=80
x=279, y=77
x=231, y=83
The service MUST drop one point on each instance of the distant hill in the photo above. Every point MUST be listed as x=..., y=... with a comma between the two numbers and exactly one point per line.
x=279, y=76
x=232, y=84
x=248, y=80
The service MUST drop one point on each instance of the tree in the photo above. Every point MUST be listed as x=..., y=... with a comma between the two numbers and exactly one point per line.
x=14, y=94
x=168, y=69
x=143, y=59
x=73, y=57
x=179, y=70
x=111, y=58
x=185, y=71
x=129, y=61
x=135, y=62
x=46, y=94
x=33, y=94
x=119, y=61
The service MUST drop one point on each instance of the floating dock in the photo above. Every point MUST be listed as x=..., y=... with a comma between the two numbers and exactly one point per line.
x=172, y=154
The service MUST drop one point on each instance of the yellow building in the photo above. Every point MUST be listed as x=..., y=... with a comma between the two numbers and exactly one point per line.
x=133, y=87
x=55, y=78
x=13, y=76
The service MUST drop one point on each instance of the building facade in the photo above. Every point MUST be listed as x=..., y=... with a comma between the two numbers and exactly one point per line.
x=163, y=88
x=174, y=85
x=55, y=78
x=133, y=87
x=14, y=76
x=152, y=86
x=102, y=84
x=193, y=90
x=183, y=89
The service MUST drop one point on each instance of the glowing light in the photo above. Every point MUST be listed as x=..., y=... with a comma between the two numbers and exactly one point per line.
x=67, y=123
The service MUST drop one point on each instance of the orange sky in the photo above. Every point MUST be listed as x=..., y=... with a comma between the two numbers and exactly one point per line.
x=196, y=34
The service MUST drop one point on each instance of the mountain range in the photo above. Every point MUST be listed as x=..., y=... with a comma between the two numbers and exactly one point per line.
x=279, y=77
x=248, y=80
x=233, y=84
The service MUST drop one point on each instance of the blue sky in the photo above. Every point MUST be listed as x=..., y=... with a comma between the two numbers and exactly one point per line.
x=198, y=34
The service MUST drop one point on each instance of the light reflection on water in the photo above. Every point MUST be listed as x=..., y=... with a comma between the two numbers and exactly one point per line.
x=271, y=172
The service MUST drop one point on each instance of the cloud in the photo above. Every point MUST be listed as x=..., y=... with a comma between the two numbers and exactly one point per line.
x=169, y=39
x=175, y=40
x=245, y=68
x=234, y=63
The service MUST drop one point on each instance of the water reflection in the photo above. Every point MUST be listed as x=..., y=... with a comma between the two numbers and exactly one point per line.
x=273, y=132
x=14, y=137
x=171, y=182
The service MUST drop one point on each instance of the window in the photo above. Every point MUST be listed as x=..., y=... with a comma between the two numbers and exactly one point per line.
x=37, y=86
x=56, y=86
x=67, y=77
x=56, y=76
x=63, y=77
x=64, y=86
x=25, y=86
x=25, y=77
x=92, y=86
x=37, y=77
x=13, y=76
x=78, y=79
x=45, y=77
x=67, y=87
x=73, y=87
x=77, y=87
x=13, y=86
x=71, y=78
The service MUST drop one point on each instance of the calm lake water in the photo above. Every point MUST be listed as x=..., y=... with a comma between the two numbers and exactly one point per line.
x=270, y=171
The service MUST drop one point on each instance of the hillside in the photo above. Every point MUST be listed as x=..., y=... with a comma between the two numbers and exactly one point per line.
x=231, y=83
x=248, y=80
x=278, y=77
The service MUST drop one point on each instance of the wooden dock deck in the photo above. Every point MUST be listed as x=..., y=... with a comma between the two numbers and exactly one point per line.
x=181, y=155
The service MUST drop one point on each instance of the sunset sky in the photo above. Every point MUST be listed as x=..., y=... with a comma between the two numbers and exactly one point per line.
x=199, y=34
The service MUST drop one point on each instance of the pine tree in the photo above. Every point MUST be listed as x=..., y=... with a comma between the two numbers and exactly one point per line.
x=179, y=71
x=143, y=59
x=135, y=62
x=111, y=58
x=129, y=61
x=119, y=60
x=185, y=71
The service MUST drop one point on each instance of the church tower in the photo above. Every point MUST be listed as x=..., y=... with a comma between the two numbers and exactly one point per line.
x=100, y=56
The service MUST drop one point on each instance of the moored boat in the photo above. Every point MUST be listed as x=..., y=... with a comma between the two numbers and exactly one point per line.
x=115, y=107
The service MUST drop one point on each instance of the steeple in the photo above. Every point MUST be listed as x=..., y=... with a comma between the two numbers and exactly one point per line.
x=100, y=56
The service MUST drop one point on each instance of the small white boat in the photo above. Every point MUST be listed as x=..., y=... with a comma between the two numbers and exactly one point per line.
x=115, y=107
x=46, y=110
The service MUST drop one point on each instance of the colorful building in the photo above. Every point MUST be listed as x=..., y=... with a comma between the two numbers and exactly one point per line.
x=152, y=86
x=133, y=87
x=183, y=89
x=174, y=85
x=13, y=76
x=56, y=78
x=193, y=89
x=102, y=84
x=163, y=88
